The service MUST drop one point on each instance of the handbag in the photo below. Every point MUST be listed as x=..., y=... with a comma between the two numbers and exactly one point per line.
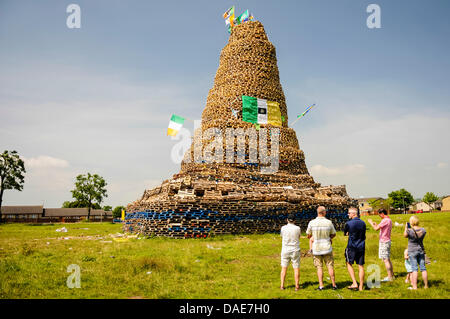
x=427, y=259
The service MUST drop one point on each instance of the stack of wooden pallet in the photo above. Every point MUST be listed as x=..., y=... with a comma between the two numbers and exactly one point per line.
x=237, y=197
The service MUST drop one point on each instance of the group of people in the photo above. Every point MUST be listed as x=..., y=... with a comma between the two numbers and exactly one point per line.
x=321, y=232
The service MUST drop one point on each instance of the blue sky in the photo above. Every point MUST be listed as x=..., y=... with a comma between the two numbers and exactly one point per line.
x=98, y=98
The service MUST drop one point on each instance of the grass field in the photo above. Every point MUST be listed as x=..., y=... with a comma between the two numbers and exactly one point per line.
x=34, y=261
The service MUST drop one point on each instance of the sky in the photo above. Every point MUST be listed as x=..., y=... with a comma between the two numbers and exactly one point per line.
x=98, y=99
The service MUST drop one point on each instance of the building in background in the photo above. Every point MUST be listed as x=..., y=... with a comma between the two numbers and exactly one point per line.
x=437, y=205
x=364, y=205
x=22, y=214
x=445, y=204
x=39, y=214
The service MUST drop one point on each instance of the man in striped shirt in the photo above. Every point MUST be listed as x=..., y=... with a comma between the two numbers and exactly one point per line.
x=322, y=231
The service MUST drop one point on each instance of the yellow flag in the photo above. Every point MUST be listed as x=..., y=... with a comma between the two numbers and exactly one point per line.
x=273, y=113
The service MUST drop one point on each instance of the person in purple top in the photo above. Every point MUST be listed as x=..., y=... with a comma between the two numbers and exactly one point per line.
x=355, y=229
x=416, y=251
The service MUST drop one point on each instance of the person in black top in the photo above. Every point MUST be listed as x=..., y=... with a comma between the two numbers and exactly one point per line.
x=355, y=229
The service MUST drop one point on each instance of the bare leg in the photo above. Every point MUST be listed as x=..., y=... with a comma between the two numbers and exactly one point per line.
x=320, y=276
x=390, y=271
x=414, y=279
x=297, y=277
x=352, y=275
x=331, y=273
x=407, y=279
x=361, y=277
x=283, y=276
x=425, y=279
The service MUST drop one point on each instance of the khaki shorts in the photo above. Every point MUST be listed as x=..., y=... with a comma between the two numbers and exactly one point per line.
x=290, y=256
x=320, y=259
x=384, y=250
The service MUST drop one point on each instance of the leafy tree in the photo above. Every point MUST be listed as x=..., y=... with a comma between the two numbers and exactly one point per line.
x=89, y=190
x=12, y=170
x=117, y=211
x=77, y=204
x=107, y=208
x=378, y=203
x=429, y=198
x=401, y=198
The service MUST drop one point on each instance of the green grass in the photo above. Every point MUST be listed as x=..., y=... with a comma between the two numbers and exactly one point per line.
x=245, y=266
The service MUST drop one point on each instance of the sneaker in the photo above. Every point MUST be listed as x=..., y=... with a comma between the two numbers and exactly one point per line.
x=319, y=288
x=386, y=279
x=411, y=288
x=335, y=288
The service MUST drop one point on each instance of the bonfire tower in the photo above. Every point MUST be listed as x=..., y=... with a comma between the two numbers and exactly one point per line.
x=208, y=197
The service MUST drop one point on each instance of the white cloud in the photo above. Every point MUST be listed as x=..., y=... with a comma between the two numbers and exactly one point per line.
x=320, y=170
x=44, y=161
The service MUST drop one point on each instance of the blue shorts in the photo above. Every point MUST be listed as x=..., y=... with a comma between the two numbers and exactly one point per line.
x=417, y=259
x=408, y=266
x=353, y=255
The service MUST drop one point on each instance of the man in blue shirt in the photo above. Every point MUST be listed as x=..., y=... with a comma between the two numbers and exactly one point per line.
x=355, y=229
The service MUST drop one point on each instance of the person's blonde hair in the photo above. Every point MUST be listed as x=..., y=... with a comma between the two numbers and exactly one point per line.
x=414, y=221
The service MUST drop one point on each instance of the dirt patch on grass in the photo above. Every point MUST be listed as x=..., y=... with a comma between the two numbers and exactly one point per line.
x=153, y=263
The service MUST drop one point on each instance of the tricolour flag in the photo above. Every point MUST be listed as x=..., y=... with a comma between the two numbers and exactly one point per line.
x=243, y=17
x=260, y=111
x=175, y=124
x=230, y=21
x=228, y=13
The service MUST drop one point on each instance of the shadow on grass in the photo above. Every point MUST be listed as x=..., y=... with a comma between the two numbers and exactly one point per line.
x=306, y=284
x=434, y=282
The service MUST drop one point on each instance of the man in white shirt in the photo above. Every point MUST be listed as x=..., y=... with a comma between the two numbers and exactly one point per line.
x=290, y=251
x=322, y=231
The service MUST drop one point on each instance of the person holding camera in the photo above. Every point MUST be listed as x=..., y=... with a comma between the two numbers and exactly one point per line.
x=416, y=251
x=384, y=251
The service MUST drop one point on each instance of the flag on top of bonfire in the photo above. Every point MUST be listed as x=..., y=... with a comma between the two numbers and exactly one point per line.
x=228, y=13
x=229, y=18
x=243, y=17
x=175, y=125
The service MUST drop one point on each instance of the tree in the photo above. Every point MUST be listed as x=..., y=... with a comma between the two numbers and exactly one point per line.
x=77, y=204
x=107, y=208
x=117, y=211
x=429, y=198
x=378, y=203
x=89, y=190
x=401, y=198
x=12, y=170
